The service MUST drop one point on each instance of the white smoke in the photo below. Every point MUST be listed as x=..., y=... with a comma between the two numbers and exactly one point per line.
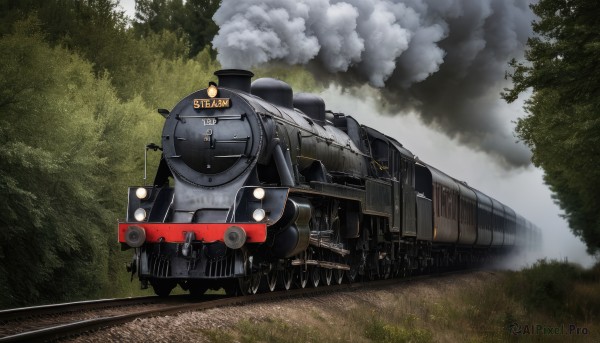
x=368, y=35
x=444, y=58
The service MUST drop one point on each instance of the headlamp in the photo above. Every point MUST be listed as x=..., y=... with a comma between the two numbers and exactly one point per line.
x=259, y=193
x=140, y=214
x=259, y=214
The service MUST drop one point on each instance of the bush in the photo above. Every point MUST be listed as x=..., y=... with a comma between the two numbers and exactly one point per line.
x=546, y=286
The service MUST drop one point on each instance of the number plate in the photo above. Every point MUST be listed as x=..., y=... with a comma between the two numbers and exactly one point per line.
x=209, y=121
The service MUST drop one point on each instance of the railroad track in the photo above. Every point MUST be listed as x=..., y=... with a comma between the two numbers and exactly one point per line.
x=145, y=307
x=16, y=323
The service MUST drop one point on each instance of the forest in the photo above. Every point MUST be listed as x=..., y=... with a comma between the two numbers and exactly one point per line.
x=80, y=84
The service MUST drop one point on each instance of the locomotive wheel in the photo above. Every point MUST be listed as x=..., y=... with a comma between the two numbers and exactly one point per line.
x=315, y=276
x=326, y=276
x=271, y=277
x=286, y=278
x=371, y=274
x=352, y=274
x=163, y=288
x=302, y=277
x=386, y=269
x=338, y=276
x=254, y=283
x=249, y=284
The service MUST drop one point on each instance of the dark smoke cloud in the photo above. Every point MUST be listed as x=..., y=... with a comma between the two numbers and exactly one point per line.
x=444, y=58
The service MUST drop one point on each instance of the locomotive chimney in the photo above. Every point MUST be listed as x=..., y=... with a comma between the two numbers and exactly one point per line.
x=235, y=79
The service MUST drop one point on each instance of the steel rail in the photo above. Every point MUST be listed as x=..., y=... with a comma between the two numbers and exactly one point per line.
x=52, y=309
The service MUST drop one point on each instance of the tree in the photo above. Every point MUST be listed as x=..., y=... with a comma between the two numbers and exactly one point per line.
x=562, y=126
x=155, y=16
x=192, y=20
x=199, y=24
x=94, y=29
x=48, y=174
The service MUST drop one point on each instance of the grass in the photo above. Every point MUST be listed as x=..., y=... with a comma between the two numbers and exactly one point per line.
x=549, y=301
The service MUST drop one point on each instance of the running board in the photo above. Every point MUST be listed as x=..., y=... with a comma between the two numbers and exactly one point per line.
x=322, y=264
x=327, y=245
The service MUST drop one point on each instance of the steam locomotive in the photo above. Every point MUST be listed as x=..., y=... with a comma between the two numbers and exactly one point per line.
x=260, y=188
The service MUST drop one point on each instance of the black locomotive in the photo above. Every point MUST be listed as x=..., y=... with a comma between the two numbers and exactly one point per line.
x=258, y=186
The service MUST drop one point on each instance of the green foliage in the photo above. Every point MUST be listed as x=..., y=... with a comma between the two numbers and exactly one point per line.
x=154, y=16
x=545, y=286
x=563, y=290
x=95, y=30
x=170, y=79
x=563, y=118
x=70, y=148
x=191, y=21
x=52, y=229
x=199, y=24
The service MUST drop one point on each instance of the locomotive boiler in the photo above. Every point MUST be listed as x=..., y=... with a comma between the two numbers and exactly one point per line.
x=258, y=187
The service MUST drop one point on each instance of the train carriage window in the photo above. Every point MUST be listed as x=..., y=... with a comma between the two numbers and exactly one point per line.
x=438, y=199
x=455, y=206
x=470, y=213
x=442, y=202
x=448, y=203
x=452, y=206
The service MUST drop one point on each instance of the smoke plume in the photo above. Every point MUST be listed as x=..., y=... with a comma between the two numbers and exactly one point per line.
x=444, y=58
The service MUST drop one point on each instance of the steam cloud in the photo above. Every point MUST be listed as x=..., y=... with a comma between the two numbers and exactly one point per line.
x=444, y=58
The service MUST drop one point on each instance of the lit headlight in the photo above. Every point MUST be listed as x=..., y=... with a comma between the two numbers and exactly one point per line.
x=259, y=193
x=141, y=193
x=140, y=214
x=259, y=214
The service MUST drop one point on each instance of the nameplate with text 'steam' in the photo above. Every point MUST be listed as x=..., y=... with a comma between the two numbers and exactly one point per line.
x=212, y=103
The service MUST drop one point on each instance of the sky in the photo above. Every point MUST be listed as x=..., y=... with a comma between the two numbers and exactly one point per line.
x=128, y=6
x=520, y=188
